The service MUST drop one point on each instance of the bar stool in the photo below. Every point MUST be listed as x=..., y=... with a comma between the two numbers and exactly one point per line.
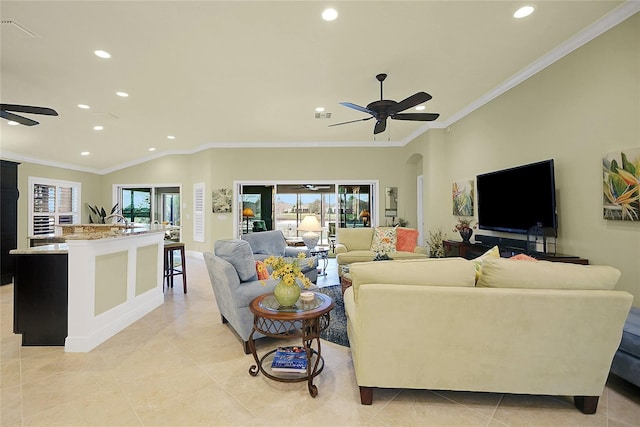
x=170, y=269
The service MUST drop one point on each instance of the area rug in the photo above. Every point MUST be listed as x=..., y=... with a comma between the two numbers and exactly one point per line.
x=337, y=330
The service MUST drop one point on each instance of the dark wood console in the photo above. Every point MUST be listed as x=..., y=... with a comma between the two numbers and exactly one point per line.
x=453, y=248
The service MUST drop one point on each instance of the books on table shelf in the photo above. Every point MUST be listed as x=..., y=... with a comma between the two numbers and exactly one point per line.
x=290, y=359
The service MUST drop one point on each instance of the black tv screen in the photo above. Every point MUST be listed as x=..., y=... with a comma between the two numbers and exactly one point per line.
x=516, y=199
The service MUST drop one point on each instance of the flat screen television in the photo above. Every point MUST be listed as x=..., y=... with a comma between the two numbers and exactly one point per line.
x=516, y=199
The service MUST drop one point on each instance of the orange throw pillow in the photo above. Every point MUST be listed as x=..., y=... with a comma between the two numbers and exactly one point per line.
x=406, y=239
x=523, y=257
x=261, y=270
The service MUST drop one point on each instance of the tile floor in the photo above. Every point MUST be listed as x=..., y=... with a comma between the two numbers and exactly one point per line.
x=179, y=366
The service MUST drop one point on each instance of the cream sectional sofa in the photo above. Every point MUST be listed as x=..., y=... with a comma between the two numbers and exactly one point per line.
x=361, y=244
x=526, y=327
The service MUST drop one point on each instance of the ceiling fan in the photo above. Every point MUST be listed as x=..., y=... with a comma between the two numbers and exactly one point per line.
x=385, y=108
x=5, y=113
x=316, y=187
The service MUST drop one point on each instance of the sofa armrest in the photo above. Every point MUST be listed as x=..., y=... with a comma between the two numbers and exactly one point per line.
x=291, y=251
x=340, y=249
x=421, y=250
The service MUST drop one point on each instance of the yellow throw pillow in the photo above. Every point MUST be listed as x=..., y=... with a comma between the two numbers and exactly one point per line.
x=494, y=252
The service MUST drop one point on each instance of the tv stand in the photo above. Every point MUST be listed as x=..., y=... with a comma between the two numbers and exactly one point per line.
x=453, y=248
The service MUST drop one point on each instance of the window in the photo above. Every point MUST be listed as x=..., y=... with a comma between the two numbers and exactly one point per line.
x=198, y=212
x=52, y=203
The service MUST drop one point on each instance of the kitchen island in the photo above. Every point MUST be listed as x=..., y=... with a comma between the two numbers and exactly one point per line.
x=113, y=278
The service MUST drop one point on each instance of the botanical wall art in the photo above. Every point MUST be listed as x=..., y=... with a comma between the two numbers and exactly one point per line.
x=462, y=194
x=221, y=200
x=621, y=185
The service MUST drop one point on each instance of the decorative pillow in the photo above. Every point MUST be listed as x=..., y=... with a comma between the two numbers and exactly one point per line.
x=523, y=257
x=238, y=253
x=494, y=252
x=406, y=239
x=384, y=240
x=261, y=270
x=507, y=273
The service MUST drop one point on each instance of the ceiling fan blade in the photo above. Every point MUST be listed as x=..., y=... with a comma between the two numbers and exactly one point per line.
x=423, y=117
x=351, y=121
x=16, y=118
x=380, y=126
x=412, y=101
x=357, y=107
x=29, y=109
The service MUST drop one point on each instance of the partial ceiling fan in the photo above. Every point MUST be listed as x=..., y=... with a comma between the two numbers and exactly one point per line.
x=6, y=113
x=315, y=187
x=385, y=108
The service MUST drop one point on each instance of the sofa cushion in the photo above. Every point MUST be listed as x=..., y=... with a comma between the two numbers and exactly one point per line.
x=419, y=272
x=267, y=242
x=355, y=239
x=631, y=333
x=238, y=253
x=509, y=273
x=384, y=240
x=406, y=239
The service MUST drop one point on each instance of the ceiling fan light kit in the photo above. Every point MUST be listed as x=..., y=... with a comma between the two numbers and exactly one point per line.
x=385, y=108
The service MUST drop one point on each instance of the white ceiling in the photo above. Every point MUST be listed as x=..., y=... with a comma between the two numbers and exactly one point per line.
x=237, y=73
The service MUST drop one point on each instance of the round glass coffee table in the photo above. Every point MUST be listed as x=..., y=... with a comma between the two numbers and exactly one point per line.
x=303, y=320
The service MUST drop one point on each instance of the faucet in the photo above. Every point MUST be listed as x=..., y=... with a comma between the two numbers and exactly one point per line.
x=126, y=223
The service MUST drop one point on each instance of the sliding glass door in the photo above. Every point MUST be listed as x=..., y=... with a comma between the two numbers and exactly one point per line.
x=333, y=204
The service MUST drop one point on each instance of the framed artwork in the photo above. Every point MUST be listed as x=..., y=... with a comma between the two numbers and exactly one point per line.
x=620, y=187
x=221, y=200
x=462, y=196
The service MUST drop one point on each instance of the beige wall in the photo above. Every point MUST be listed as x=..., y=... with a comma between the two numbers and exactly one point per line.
x=575, y=111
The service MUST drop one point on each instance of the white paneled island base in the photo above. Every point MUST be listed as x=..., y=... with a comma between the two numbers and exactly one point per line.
x=113, y=282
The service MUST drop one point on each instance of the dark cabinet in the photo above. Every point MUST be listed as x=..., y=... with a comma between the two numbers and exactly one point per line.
x=8, y=218
x=40, y=307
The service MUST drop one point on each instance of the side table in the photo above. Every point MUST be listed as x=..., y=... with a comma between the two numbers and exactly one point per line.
x=303, y=320
x=322, y=254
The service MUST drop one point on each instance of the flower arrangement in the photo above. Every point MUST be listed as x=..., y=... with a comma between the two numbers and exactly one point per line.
x=434, y=242
x=463, y=224
x=288, y=271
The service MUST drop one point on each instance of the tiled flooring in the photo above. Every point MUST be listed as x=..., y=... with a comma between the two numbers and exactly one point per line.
x=179, y=366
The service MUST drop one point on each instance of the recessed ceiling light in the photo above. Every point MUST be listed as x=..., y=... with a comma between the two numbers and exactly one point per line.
x=122, y=94
x=329, y=14
x=85, y=153
x=98, y=127
x=523, y=12
x=319, y=109
x=152, y=149
x=83, y=106
x=171, y=137
x=420, y=107
x=102, y=54
x=12, y=123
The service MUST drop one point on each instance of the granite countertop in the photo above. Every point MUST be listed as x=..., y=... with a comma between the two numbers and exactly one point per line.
x=54, y=248
x=88, y=232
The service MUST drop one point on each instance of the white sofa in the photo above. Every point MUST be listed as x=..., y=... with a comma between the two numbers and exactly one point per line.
x=362, y=244
x=526, y=328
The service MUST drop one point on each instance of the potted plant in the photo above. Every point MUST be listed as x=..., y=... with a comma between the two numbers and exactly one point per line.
x=465, y=228
x=287, y=291
x=97, y=215
x=435, y=243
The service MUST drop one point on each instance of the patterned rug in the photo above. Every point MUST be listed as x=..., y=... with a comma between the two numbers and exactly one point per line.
x=337, y=330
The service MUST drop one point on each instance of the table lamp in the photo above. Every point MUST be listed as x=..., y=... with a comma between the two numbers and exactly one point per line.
x=247, y=213
x=311, y=225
